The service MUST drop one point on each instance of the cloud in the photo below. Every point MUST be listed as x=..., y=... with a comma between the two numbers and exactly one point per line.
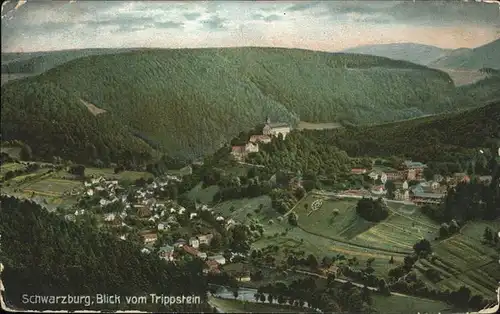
x=168, y=24
x=267, y=18
x=192, y=16
x=320, y=25
x=214, y=23
x=302, y=6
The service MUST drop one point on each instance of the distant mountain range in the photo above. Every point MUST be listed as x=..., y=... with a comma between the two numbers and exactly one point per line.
x=416, y=53
x=486, y=56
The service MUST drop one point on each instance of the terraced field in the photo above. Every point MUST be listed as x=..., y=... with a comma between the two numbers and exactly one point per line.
x=301, y=240
x=338, y=220
x=51, y=187
x=399, y=231
x=464, y=260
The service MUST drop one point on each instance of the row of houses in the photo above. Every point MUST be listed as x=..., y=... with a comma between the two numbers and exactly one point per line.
x=410, y=171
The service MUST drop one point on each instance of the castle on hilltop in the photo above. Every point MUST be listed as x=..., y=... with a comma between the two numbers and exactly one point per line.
x=274, y=129
x=270, y=130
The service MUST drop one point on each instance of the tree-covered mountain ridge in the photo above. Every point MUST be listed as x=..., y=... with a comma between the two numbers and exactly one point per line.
x=191, y=101
x=445, y=137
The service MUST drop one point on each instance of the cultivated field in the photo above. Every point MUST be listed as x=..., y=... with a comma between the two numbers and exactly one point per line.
x=51, y=187
x=300, y=240
x=338, y=219
x=331, y=227
x=109, y=173
x=399, y=231
x=10, y=167
x=407, y=304
x=464, y=260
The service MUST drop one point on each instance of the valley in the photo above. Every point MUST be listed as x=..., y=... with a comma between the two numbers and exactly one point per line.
x=299, y=226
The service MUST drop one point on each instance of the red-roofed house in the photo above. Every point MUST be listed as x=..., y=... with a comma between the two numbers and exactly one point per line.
x=260, y=139
x=461, y=177
x=238, y=152
x=212, y=267
x=379, y=190
x=190, y=250
x=358, y=171
x=396, y=175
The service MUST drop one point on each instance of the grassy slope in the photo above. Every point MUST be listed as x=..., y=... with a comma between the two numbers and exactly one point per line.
x=424, y=138
x=191, y=101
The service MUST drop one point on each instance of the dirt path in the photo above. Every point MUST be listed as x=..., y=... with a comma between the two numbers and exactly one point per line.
x=318, y=126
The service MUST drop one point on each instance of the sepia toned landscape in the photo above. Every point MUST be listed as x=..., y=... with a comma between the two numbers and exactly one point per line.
x=250, y=157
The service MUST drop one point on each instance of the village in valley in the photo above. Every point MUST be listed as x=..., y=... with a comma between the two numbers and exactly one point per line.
x=318, y=232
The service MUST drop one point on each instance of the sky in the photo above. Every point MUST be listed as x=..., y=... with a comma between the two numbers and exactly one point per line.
x=37, y=25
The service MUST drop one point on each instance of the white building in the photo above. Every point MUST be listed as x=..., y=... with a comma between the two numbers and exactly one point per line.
x=218, y=258
x=274, y=129
x=251, y=148
x=109, y=217
x=405, y=185
x=383, y=178
x=194, y=242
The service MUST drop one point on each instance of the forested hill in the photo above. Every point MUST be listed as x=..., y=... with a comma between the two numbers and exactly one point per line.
x=190, y=101
x=37, y=62
x=446, y=137
x=486, y=56
x=416, y=53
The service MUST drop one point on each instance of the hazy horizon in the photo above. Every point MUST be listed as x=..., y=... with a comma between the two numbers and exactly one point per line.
x=30, y=26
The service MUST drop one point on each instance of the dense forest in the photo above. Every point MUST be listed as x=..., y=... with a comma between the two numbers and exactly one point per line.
x=300, y=153
x=189, y=102
x=56, y=123
x=46, y=255
x=456, y=137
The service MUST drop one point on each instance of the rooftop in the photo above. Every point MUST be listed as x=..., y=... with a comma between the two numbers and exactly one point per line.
x=256, y=138
x=190, y=250
x=215, y=257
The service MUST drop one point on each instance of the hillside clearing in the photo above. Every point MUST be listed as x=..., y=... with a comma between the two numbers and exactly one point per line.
x=92, y=108
x=317, y=126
